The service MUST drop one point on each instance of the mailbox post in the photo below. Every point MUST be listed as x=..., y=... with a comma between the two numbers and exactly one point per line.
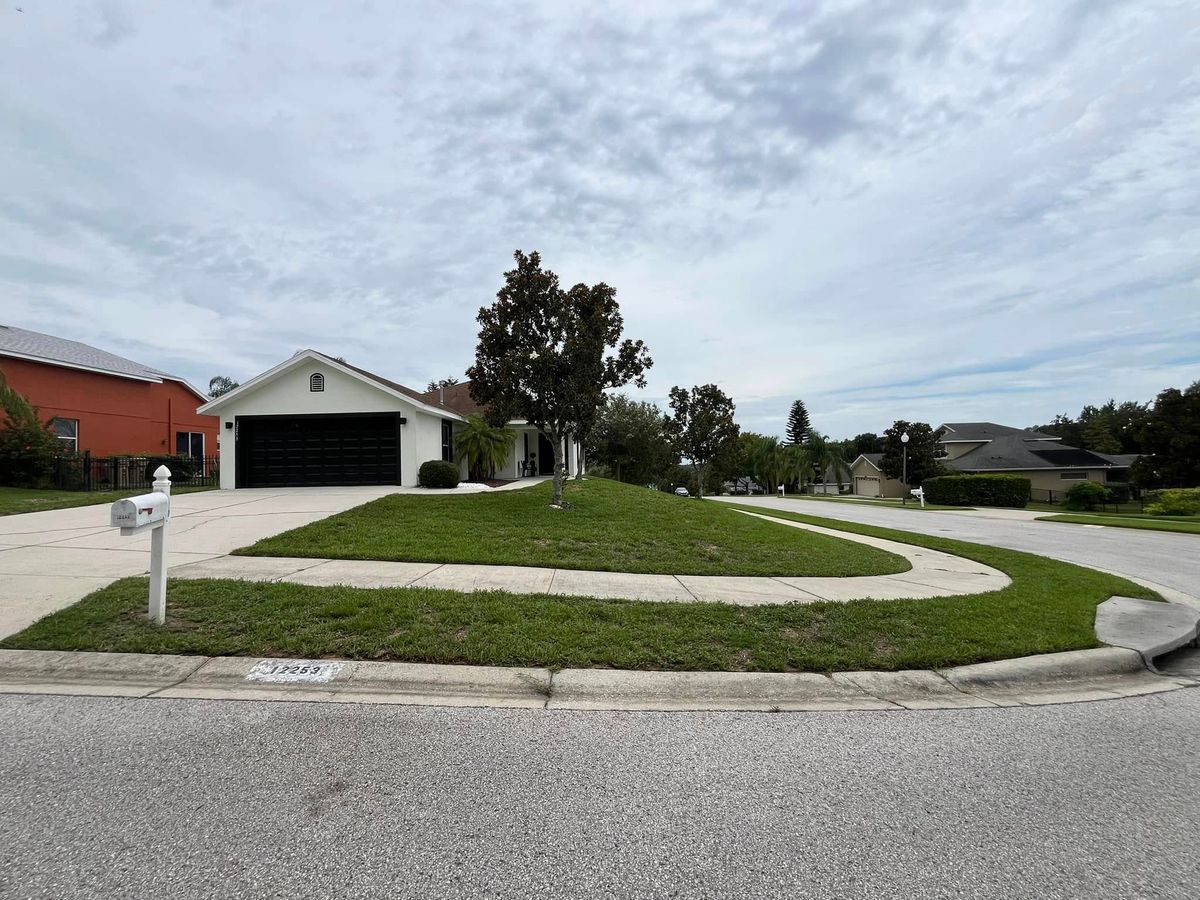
x=150, y=511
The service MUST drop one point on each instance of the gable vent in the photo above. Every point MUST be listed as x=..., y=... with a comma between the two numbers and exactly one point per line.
x=316, y=382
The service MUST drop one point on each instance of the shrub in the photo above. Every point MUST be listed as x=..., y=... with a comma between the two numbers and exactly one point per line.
x=1119, y=492
x=27, y=446
x=1086, y=495
x=977, y=490
x=437, y=473
x=1175, y=502
x=183, y=468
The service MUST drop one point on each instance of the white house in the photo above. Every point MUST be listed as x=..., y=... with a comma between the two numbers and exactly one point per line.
x=315, y=420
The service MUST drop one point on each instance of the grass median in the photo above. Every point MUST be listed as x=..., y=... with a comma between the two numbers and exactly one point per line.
x=608, y=526
x=1179, y=525
x=1049, y=607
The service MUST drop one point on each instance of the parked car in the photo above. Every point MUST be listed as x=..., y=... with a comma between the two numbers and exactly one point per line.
x=682, y=492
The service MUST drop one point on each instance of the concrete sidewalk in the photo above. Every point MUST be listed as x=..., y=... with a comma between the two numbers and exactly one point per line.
x=933, y=574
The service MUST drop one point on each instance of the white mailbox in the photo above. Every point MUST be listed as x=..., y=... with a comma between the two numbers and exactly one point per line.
x=135, y=513
x=150, y=512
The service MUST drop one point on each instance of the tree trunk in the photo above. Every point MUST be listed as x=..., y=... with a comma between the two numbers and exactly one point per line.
x=557, y=468
x=700, y=481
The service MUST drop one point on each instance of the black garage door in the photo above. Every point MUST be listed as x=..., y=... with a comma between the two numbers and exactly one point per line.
x=304, y=451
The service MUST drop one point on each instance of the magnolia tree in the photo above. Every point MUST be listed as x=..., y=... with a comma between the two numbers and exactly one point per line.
x=701, y=426
x=547, y=355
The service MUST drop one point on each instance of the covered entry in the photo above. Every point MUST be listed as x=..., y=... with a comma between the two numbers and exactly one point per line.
x=315, y=450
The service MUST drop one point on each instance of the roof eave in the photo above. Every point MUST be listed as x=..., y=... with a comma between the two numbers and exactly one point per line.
x=47, y=361
x=213, y=407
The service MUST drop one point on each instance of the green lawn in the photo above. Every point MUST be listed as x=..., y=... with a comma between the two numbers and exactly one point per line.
x=1132, y=508
x=608, y=526
x=1049, y=607
x=22, y=500
x=1180, y=524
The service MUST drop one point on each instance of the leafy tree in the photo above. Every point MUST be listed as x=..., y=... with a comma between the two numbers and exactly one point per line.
x=701, y=426
x=825, y=456
x=1111, y=428
x=1170, y=439
x=27, y=445
x=485, y=447
x=867, y=442
x=629, y=439
x=220, y=385
x=797, y=423
x=1098, y=436
x=923, y=452
x=1065, y=428
x=441, y=383
x=543, y=354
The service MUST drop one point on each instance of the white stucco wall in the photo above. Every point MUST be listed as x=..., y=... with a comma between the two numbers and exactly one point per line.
x=288, y=394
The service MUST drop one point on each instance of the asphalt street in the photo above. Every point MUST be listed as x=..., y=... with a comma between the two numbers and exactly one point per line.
x=1162, y=557
x=153, y=798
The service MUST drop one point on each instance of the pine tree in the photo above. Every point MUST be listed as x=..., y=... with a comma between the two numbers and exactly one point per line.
x=797, y=423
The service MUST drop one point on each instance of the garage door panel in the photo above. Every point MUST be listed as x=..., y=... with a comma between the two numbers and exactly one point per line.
x=302, y=451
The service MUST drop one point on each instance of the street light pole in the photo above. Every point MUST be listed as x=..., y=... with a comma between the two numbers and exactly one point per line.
x=904, y=468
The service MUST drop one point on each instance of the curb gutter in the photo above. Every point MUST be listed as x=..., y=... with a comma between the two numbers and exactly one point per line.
x=1071, y=677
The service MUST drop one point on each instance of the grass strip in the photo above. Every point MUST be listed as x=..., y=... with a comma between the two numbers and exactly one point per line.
x=608, y=526
x=1049, y=607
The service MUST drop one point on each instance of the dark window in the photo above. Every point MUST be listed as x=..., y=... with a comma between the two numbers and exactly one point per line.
x=67, y=432
x=316, y=382
x=1074, y=476
x=190, y=443
x=447, y=441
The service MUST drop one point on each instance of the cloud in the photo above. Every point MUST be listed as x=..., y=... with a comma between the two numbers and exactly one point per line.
x=919, y=210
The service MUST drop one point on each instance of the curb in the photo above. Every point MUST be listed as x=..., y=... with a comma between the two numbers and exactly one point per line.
x=1070, y=677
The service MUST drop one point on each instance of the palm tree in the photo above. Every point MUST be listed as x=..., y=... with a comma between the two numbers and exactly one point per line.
x=769, y=463
x=484, y=447
x=825, y=455
x=798, y=465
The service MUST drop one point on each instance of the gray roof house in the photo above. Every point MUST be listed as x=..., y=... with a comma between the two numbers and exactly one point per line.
x=986, y=447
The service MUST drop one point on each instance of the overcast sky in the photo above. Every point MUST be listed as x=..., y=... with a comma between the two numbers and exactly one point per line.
x=942, y=211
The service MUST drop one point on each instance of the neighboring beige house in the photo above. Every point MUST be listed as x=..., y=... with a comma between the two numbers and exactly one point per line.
x=868, y=480
x=987, y=448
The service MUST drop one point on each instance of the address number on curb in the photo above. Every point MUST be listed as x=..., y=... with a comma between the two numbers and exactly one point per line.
x=294, y=670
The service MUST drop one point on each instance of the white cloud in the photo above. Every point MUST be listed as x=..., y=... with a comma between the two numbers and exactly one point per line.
x=929, y=211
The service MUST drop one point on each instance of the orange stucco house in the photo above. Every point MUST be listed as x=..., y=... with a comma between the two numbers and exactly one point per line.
x=103, y=403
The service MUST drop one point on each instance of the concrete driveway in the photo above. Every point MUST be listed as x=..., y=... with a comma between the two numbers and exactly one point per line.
x=1163, y=558
x=52, y=559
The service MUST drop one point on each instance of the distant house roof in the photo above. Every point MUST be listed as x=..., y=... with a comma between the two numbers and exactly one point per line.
x=455, y=397
x=20, y=343
x=974, y=432
x=1012, y=452
x=872, y=459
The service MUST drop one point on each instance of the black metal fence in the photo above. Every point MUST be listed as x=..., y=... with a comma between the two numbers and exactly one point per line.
x=84, y=472
x=1123, y=499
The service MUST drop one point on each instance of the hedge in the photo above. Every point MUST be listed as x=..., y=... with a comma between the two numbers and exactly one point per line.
x=977, y=490
x=1174, y=502
x=437, y=473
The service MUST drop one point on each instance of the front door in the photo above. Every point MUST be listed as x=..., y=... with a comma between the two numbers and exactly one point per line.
x=545, y=460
